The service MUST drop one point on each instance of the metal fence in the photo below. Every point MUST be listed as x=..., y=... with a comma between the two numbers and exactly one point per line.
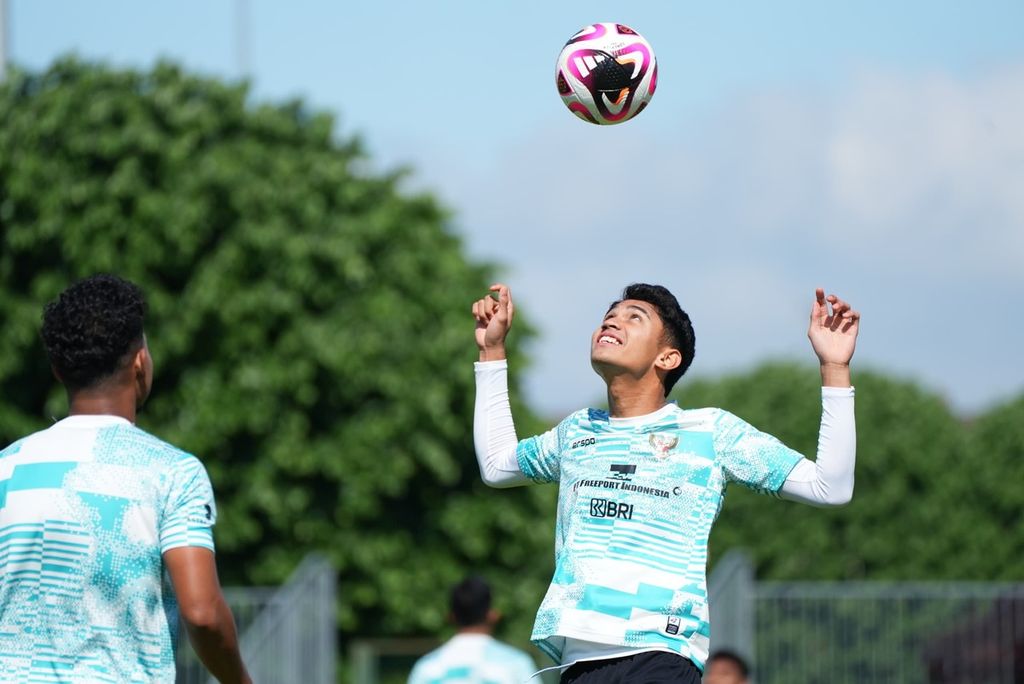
x=838, y=632
x=807, y=632
x=287, y=634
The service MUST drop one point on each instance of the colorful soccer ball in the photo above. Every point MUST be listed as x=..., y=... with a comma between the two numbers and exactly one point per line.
x=606, y=73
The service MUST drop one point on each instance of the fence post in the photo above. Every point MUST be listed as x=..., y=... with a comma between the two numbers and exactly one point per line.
x=731, y=599
x=293, y=637
x=362, y=658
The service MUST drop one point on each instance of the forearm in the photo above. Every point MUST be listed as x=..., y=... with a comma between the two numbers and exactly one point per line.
x=215, y=641
x=494, y=432
x=828, y=480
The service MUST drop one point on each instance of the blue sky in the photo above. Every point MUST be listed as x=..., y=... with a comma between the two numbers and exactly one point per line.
x=873, y=148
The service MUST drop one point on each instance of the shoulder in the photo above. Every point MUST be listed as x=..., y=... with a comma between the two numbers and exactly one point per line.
x=509, y=653
x=591, y=419
x=580, y=423
x=14, y=447
x=583, y=420
x=426, y=664
x=176, y=468
x=36, y=440
x=703, y=418
x=585, y=416
x=149, y=446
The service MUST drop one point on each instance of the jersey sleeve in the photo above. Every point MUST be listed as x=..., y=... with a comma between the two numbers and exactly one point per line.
x=540, y=457
x=189, y=512
x=751, y=457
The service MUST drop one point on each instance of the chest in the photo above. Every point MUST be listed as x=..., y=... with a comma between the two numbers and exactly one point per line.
x=665, y=461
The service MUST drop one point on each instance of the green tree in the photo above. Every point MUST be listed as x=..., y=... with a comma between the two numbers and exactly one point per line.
x=932, y=498
x=989, y=519
x=309, y=323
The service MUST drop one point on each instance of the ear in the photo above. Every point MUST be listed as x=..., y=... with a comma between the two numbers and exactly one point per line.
x=140, y=361
x=668, y=359
x=493, y=616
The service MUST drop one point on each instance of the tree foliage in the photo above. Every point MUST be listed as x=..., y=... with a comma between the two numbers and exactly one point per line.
x=935, y=496
x=309, y=323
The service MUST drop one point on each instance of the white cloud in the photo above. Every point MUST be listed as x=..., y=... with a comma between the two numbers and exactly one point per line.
x=934, y=166
x=905, y=192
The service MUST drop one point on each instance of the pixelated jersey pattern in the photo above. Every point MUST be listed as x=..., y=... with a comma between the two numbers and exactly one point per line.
x=473, y=659
x=637, y=499
x=87, y=507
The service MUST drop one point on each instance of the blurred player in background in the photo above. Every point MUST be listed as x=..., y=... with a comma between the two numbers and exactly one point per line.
x=642, y=483
x=726, y=667
x=473, y=656
x=93, y=511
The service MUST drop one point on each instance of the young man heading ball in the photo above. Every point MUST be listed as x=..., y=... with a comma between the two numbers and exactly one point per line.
x=641, y=484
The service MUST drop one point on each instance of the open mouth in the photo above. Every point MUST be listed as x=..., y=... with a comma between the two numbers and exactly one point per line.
x=608, y=339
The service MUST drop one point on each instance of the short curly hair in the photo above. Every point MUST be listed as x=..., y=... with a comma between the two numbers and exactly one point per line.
x=91, y=327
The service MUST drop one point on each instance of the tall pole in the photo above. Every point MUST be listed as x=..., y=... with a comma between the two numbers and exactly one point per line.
x=3, y=40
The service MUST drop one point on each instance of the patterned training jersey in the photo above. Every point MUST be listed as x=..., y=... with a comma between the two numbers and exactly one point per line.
x=87, y=508
x=637, y=499
x=473, y=659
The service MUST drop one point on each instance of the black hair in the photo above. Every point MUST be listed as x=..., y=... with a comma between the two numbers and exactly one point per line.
x=732, y=657
x=91, y=327
x=678, y=328
x=470, y=602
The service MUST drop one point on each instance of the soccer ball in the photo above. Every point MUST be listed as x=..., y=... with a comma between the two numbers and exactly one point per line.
x=606, y=73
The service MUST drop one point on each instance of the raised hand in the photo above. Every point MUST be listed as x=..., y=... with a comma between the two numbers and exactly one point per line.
x=833, y=334
x=493, y=321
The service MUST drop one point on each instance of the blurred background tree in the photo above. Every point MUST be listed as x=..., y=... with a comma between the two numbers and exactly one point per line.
x=310, y=324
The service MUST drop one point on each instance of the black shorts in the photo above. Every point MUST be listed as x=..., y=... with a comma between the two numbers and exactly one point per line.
x=652, y=667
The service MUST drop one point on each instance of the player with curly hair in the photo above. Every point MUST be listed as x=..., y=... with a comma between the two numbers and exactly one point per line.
x=94, y=510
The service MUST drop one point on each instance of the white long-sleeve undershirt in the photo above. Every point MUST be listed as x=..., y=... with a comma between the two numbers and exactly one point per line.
x=825, y=481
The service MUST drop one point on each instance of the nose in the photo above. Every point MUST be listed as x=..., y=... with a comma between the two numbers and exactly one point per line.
x=609, y=323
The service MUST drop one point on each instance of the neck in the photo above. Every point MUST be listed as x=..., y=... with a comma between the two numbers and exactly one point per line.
x=628, y=397
x=475, y=629
x=105, y=402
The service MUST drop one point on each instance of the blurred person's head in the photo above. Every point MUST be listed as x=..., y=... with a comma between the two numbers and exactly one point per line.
x=726, y=667
x=93, y=335
x=470, y=604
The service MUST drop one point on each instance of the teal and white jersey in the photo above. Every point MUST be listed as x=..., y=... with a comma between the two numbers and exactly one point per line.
x=87, y=508
x=473, y=659
x=637, y=500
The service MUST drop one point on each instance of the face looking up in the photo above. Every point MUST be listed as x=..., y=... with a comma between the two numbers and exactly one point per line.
x=631, y=339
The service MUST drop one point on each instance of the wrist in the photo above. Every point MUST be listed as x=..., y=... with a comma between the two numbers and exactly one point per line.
x=496, y=353
x=835, y=374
